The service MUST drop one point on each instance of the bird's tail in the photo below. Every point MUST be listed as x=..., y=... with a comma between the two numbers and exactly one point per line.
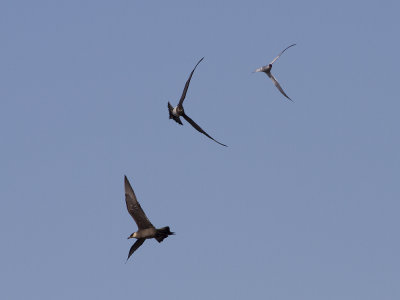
x=163, y=233
x=170, y=109
x=171, y=115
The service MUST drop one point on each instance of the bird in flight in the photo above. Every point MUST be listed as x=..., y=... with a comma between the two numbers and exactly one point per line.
x=176, y=112
x=146, y=230
x=267, y=70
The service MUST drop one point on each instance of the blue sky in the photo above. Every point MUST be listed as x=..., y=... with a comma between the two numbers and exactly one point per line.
x=303, y=204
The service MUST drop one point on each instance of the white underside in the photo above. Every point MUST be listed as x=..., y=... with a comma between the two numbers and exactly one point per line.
x=174, y=112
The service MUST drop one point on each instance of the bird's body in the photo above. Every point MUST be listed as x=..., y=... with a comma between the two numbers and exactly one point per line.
x=176, y=112
x=146, y=230
x=147, y=233
x=267, y=70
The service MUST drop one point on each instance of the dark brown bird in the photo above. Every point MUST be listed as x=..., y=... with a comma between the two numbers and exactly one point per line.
x=267, y=70
x=176, y=112
x=146, y=230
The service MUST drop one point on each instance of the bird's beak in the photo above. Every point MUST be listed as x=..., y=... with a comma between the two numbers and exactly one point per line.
x=129, y=237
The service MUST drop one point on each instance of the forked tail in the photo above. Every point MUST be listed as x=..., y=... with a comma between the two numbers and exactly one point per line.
x=163, y=233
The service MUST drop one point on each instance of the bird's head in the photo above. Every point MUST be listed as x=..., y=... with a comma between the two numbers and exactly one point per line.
x=133, y=235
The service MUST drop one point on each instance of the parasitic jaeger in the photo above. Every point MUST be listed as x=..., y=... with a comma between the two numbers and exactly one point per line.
x=176, y=112
x=146, y=230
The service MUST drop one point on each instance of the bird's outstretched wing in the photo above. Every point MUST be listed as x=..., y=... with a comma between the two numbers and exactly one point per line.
x=134, y=208
x=281, y=53
x=135, y=246
x=187, y=85
x=276, y=83
x=198, y=128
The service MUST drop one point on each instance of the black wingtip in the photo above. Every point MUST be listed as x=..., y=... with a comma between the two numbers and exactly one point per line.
x=199, y=61
x=219, y=142
x=290, y=99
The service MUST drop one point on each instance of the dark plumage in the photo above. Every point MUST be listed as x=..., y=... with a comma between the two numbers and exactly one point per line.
x=146, y=230
x=176, y=112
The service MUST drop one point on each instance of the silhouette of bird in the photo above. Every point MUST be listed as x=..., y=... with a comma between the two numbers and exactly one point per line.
x=267, y=70
x=176, y=112
x=146, y=230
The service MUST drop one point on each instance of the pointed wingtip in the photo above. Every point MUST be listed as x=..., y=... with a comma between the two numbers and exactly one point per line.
x=127, y=184
x=219, y=143
x=288, y=97
x=199, y=61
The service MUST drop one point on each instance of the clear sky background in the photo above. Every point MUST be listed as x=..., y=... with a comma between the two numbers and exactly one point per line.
x=303, y=204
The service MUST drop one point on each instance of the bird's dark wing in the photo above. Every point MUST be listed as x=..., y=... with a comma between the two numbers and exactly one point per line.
x=187, y=85
x=281, y=53
x=198, y=128
x=134, y=208
x=135, y=246
x=276, y=83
